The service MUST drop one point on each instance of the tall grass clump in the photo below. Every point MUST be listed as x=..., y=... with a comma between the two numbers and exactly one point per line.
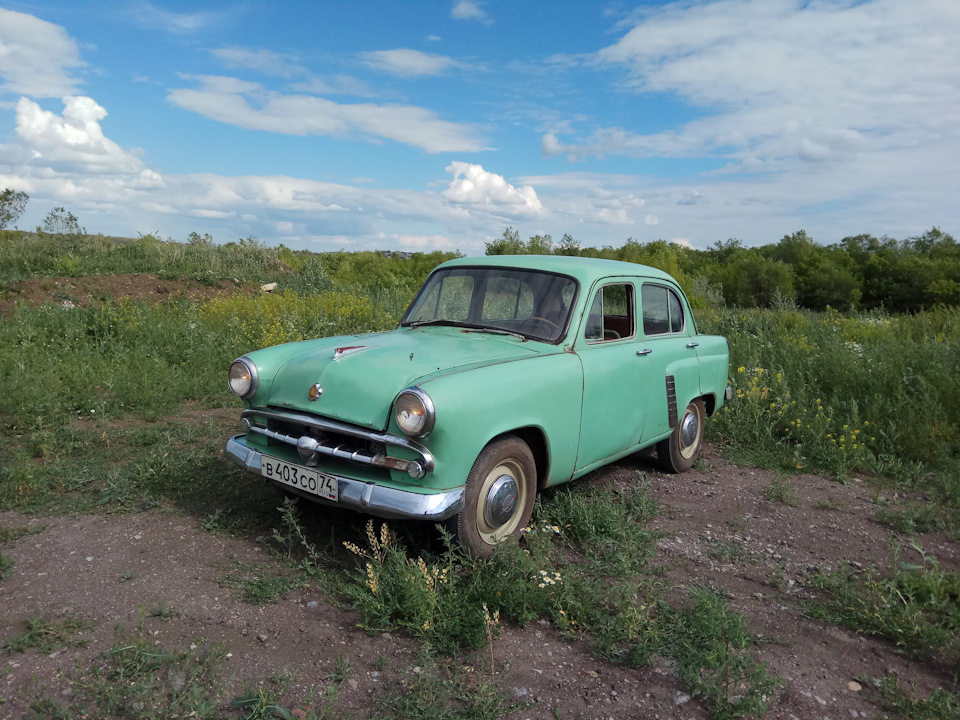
x=28, y=255
x=831, y=392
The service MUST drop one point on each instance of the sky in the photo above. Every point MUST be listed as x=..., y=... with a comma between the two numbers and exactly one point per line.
x=435, y=125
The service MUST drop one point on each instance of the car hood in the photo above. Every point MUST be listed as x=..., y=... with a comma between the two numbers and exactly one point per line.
x=361, y=375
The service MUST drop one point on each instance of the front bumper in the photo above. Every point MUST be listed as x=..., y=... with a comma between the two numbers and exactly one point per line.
x=366, y=497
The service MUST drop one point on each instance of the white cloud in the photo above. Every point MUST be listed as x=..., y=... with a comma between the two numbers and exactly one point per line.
x=408, y=63
x=783, y=81
x=150, y=16
x=74, y=140
x=470, y=10
x=264, y=61
x=36, y=56
x=473, y=185
x=251, y=106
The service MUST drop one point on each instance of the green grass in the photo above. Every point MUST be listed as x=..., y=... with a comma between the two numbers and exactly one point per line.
x=45, y=636
x=584, y=566
x=139, y=679
x=941, y=704
x=435, y=692
x=828, y=392
x=917, y=609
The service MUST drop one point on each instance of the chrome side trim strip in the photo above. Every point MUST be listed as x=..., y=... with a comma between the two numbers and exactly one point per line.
x=311, y=421
x=369, y=498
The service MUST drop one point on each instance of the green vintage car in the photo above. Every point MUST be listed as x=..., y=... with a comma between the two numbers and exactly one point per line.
x=507, y=374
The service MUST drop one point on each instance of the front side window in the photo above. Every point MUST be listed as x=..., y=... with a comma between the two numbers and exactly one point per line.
x=611, y=315
x=662, y=310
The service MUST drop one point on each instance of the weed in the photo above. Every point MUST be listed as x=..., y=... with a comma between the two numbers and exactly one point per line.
x=917, y=609
x=780, y=490
x=727, y=552
x=48, y=635
x=429, y=692
x=164, y=612
x=942, y=704
x=139, y=679
x=710, y=645
x=6, y=565
x=262, y=585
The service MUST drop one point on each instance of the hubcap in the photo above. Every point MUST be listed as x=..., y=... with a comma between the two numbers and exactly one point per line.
x=501, y=501
x=689, y=429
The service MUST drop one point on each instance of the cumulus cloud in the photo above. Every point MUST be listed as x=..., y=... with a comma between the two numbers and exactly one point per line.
x=36, y=56
x=264, y=61
x=777, y=82
x=74, y=140
x=408, y=63
x=470, y=10
x=251, y=106
x=472, y=185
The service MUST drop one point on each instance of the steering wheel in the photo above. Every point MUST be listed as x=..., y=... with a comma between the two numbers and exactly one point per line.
x=543, y=320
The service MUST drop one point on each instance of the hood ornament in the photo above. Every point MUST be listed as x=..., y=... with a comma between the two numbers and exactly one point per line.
x=349, y=350
x=314, y=391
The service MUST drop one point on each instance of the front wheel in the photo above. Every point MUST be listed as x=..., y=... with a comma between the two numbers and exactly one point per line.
x=499, y=496
x=680, y=451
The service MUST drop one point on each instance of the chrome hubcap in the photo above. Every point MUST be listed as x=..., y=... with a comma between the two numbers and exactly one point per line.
x=689, y=429
x=501, y=501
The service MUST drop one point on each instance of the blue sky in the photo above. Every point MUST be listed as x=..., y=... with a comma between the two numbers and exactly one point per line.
x=437, y=124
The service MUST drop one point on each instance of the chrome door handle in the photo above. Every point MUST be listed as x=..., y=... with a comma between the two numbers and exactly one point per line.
x=692, y=345
x=644, y=352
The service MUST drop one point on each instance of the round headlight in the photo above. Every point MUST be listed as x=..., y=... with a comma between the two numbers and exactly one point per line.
x=242, y=377
x=414, y=412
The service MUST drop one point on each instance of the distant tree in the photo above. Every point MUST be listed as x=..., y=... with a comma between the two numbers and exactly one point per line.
x=12, y=205
x=568, y=246
x=507, y=244
x=60, y=222
x=205, y=240
x=540, y=245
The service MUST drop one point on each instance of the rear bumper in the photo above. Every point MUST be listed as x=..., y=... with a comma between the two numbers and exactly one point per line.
x=365, y=497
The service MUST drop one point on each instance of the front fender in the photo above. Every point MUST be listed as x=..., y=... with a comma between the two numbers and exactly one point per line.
x=475, y=406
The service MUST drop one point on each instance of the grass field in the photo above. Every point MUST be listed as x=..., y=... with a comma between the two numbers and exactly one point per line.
x=106, y=396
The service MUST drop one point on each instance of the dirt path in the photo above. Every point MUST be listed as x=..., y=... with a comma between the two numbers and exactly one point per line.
x=720, y=531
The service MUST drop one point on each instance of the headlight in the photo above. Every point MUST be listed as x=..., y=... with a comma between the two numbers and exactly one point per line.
x=414, y=412
x=242, y=377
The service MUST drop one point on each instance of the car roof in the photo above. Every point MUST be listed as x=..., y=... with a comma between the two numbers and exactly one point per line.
x=584, y=269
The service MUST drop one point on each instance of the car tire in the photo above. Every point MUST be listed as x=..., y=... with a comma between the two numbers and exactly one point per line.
x=499, y=495
x=680, y=451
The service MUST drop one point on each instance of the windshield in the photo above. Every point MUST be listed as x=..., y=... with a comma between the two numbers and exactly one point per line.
x=533, y=304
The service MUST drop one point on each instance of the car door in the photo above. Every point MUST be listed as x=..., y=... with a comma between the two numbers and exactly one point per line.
x=615, y=386
x=670, y=354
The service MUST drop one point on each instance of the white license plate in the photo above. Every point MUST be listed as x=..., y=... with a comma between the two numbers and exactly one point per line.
x=300, y=477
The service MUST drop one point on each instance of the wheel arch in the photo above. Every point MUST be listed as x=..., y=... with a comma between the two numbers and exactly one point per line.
x=709, y=403
x=536, y=440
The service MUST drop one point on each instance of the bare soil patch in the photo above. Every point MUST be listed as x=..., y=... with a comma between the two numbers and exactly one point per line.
x=719, y=530
x=91, y=290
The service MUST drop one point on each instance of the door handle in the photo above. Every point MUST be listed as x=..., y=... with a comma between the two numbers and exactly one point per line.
x=692, y=345
x=647, y=351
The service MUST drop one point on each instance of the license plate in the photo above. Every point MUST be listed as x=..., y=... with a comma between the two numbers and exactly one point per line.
x=300, y=477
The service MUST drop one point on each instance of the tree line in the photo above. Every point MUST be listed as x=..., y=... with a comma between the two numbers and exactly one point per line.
x=859, y=272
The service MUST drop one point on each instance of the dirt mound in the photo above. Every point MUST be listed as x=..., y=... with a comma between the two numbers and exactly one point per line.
x=94, y=289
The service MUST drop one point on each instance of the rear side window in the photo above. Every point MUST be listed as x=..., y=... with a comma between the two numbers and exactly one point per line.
x=662, y=310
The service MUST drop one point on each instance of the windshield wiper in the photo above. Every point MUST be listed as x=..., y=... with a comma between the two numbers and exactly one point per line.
x=497, y=331
x=438, y=321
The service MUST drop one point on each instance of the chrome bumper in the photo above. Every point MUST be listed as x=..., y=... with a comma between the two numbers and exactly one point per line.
x=365, y=497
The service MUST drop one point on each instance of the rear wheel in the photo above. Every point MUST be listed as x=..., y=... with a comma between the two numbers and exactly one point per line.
x=498, y=500
x=680, y=451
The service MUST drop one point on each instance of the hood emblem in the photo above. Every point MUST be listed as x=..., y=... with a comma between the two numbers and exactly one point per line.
x=315, y=391
x=349, y=350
